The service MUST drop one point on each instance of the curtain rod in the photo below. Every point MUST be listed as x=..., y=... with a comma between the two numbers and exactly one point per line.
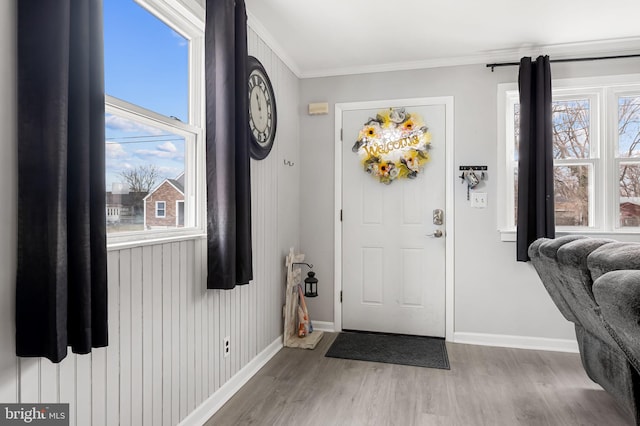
x=593, y=58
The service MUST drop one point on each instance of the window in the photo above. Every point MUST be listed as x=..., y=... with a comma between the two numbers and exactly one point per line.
x=627, y=159
x=596, y=137
x=146, y=61
x=161, y=207
x=153, y=75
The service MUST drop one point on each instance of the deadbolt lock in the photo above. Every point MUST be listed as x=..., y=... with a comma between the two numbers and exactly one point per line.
x=438, y=217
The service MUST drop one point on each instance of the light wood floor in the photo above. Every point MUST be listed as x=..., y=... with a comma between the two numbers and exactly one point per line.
x=485, y=386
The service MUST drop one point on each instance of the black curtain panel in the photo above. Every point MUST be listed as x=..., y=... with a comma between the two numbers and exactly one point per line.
x=61, y=288
x=535, y=165
x=229, y=259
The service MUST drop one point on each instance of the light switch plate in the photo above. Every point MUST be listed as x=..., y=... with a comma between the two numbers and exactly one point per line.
x=479, y=200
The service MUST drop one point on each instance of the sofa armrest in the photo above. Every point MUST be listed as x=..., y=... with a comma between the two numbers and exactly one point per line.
x=618, y=295
x=544, y=258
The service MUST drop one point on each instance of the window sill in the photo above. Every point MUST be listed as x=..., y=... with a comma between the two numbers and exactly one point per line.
x=510, y=235
x=119, y=242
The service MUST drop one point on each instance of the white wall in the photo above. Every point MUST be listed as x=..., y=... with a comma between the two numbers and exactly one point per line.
x=493, y=293
x=165, y=329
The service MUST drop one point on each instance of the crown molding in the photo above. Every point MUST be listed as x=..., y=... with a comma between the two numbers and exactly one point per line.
x=556, y=51
x=396, y=66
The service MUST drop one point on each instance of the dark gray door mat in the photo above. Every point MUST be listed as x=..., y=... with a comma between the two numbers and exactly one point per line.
x=418, y=351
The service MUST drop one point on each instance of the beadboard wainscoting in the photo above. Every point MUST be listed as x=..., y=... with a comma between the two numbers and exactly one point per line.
x=166, y=330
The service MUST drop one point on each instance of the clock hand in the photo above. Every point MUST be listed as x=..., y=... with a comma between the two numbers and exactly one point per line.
x=258, y=99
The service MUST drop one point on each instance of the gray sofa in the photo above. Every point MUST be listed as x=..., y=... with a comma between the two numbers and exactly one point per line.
x=595, y=283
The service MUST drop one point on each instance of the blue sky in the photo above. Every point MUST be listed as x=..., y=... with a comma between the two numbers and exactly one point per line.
x=146, y=63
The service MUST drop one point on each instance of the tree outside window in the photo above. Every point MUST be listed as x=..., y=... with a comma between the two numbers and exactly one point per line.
x=596, y=150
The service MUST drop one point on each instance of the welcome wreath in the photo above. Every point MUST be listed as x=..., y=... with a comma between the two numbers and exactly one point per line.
x=393, y=145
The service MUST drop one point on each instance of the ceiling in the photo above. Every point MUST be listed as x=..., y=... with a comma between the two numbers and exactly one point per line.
x=332, y=37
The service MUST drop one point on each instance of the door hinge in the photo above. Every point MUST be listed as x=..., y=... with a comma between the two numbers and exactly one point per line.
x=340, y=296
x=340, y=215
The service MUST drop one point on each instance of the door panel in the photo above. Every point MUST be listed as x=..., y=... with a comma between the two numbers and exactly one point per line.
x=411, y=278
x=372, y=273
x=393, y=276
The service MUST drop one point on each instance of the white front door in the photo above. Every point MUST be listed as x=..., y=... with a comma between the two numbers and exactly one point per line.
x=393, y=267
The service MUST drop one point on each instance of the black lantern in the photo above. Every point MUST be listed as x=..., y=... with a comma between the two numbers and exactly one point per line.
x=311, y=285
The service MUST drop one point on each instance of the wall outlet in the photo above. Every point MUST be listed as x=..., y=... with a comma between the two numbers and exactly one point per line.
x=226, y=346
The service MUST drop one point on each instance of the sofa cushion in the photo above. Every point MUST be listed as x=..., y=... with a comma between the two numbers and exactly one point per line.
x=572, y=259
x=549, y=248
x=614, y=257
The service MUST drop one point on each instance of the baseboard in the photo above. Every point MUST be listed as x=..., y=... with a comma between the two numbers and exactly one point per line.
x=520, y=342
x=211, y=405
x=324, y=326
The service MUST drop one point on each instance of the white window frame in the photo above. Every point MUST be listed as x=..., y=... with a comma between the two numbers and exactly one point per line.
x=603, y=93
x=186, y=17
x=614, y=94
x=164, y=209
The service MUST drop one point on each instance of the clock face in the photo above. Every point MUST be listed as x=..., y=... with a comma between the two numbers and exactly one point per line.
x=262, y=110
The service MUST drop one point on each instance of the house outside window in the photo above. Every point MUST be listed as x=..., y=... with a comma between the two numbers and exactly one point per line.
x=596, y=149
x=154, y=75
x=164, y=205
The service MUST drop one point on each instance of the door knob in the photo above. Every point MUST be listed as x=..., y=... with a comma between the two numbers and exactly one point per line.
x=436, y=234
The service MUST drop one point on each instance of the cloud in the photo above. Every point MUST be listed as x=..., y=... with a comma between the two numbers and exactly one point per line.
x=156, y=153
x=118, y=166
x=166, y=150
x=167, y=147
x=115, y=122
x=115, y=150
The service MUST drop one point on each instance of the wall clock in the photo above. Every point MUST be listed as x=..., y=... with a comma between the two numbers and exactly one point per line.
x=262, y=111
